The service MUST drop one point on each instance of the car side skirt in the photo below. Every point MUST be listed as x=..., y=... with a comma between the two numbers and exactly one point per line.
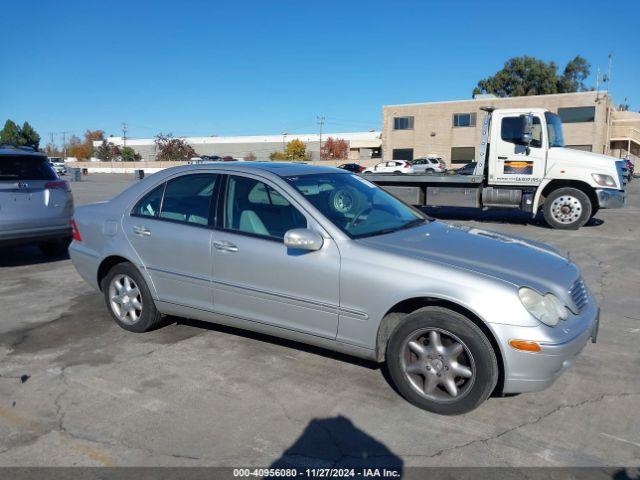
x=251, y=325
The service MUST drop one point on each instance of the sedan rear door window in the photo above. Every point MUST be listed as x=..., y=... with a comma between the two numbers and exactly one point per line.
x=188, y=198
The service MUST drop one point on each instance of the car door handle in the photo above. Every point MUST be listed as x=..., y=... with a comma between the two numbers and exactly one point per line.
x=502, y=158
x=225, y=246
x=142, y=231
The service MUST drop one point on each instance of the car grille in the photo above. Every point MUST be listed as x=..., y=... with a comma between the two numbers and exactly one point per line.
x=579, y=295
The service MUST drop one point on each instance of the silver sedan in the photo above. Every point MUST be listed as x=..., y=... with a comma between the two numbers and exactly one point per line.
x=323, y=256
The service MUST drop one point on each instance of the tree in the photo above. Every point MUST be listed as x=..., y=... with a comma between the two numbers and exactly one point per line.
x=107, y=152
x=10, y=133
x=250, y=157
x=574, y=76
x=523, y=76
x=29, y=137
x=74, y=147
x=296, y=150
x=87, y=144
x=334, y=149
x=52, y=150
x=24, y=137
x=172, y=149
x=277, y=156
x=128, y=154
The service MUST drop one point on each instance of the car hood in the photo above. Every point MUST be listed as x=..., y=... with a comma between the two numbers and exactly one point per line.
x=596, y=161
x=519, y=261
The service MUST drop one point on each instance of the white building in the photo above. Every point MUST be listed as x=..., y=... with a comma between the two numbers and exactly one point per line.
x=362, y=145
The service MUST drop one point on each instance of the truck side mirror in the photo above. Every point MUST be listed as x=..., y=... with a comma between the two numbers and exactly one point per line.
x=525, y=131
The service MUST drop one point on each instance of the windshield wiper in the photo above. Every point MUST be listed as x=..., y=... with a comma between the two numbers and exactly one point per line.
x=409, y=224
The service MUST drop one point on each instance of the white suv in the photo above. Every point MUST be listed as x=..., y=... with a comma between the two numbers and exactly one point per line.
x=429, y=165
x=392, y=166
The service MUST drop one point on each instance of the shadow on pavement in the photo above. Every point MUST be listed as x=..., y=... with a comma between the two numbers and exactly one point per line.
x=342, y=357
x=19, y=256
x=337, y=443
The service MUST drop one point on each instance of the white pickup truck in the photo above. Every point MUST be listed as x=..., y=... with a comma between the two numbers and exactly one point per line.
x=522, y=163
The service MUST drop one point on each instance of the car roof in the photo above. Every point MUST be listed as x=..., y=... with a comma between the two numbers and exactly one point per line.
x=281, y=169
x=20, y=151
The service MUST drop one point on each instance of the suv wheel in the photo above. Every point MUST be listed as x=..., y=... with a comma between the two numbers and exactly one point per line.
x=567, y=208
x=129, y=300
x=441, y=361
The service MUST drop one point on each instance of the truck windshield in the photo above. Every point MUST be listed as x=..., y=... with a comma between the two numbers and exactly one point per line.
x=354, y=205
x=554, y=130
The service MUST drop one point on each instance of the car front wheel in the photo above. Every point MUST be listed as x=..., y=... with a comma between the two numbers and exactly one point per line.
x=441, y=361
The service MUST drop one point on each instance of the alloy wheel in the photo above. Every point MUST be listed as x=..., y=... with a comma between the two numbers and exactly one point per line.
x=125, y=299
x=437, y=365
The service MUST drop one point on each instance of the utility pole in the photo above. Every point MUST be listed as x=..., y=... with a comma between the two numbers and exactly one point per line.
x=64, y=146
x=51, y=135
x=321, y=123
x=608, y=145
x=125, y=128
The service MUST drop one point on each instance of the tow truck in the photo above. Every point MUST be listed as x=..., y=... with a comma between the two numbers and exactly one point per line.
x=522, y=163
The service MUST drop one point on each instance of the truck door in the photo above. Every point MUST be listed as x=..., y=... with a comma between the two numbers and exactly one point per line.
x=516, y=163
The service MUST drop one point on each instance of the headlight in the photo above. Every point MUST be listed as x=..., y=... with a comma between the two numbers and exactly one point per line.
x=546, y=308
x=604, y=180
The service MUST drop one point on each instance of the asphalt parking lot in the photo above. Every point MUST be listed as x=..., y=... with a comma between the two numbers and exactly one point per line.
x=75, y=389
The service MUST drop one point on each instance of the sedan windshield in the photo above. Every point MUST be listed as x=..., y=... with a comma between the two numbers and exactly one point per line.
x=356, y=206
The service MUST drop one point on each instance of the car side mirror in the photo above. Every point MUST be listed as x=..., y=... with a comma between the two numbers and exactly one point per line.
x=303, y=239
x=526, y=128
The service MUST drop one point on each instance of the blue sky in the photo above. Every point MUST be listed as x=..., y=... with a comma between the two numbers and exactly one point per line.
x=266, y=67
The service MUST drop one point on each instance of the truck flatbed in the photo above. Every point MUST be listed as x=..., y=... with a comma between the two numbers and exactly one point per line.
x=421, y=178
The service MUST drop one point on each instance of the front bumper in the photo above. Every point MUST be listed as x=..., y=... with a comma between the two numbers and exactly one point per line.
x=610, y=198
x=560, y=346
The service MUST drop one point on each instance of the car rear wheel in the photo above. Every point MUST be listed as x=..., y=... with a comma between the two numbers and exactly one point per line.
x=567, y=208
x=129, y=300
x=441, y=361
x=55, y=248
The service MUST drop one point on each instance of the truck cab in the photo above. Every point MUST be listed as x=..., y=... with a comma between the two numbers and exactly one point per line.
x=526, y=152
x=521, y=163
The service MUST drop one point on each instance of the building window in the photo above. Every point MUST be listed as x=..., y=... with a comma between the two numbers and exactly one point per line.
x=462, y=154
x=403, y=123
x=403, y=154
x=464, y=119
x=577, y=114
x=584, y=148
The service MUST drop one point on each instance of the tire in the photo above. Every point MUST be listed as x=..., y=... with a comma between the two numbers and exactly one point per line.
x=145, y=316
x=429, y=170
x=425, y=379
x=397, y=171
x=55, y=248
x=567, y=208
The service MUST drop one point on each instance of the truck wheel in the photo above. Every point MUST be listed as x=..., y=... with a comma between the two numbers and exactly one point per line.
x=567, y=208
x=440, y=361
x=129, y=300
